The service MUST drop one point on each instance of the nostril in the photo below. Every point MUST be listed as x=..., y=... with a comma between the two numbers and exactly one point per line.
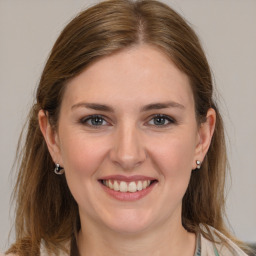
x=127, y=162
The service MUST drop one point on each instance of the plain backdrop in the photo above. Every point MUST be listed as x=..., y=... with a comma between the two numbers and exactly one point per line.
x=227, y=29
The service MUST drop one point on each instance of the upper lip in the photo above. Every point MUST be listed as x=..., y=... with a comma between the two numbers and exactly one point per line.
x=127, y=178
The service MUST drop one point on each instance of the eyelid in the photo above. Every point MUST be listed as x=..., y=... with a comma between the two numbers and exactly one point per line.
x=84, y=120
x=170, y=120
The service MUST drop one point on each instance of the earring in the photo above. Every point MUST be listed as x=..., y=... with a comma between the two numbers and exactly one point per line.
x=198, y=164
x=58, y=170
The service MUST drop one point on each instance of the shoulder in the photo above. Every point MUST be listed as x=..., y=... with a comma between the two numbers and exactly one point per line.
x=45, y=252
x=219, y=248
x=8, y=254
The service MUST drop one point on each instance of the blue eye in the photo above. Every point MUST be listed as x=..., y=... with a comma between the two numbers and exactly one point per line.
x=94, y=120
x=161, y=120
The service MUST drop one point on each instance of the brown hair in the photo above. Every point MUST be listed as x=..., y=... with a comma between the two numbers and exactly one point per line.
x=46, y=210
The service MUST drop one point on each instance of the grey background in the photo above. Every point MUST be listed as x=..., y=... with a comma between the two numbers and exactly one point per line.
x=227, y=28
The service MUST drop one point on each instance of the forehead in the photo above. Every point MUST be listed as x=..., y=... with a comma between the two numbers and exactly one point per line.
x=141, y=74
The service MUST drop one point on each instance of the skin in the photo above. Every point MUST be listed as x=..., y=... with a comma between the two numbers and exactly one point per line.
x=129, y=141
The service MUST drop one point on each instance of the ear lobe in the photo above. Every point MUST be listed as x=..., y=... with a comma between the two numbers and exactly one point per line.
x=205, y=132
x=50, y=136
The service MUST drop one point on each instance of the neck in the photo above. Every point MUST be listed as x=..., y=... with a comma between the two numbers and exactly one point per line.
x=162, y=241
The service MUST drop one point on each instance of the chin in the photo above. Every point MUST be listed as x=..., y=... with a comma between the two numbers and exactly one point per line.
x=128, y=222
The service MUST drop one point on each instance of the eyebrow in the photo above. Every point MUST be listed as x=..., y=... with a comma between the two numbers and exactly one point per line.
x=169, y=104
x=94, y=106
x=152, y=106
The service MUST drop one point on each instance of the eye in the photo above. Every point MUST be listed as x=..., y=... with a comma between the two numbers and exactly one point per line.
x=94, y=120
x=161, y=120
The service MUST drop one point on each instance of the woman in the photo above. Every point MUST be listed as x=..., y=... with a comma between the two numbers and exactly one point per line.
x=125, y=152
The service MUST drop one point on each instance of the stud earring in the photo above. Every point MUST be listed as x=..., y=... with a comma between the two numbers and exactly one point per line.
x=58, y=169
x=198, y=164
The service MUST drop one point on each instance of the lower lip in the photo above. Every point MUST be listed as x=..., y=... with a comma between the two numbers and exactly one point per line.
x=128, y=196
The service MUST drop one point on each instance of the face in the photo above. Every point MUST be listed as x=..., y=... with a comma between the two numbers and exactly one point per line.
x=128, y=140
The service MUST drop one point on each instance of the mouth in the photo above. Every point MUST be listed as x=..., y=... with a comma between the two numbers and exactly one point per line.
x=132, y=186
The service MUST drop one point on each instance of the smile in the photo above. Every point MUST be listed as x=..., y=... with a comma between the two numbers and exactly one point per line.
x=123, y=186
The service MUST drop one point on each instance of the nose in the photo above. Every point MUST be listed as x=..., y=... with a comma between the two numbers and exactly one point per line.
x=127, y=151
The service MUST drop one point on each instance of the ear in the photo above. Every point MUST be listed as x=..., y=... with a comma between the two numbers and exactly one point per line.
x=205, y=133
x=50, y=136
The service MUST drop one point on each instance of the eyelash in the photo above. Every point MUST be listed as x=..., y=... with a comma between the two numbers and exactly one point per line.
x=85, y=121
x=90, y=118
x=163, y=117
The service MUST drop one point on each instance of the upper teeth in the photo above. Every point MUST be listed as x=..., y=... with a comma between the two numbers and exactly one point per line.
x=123, y=186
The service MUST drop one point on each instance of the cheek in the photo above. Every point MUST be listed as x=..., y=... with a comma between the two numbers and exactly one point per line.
x=82, y=155
x=82, y=158
x=173, y=160
x=175, y=155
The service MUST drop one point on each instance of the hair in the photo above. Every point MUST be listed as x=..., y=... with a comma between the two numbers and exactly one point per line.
x=45, y=209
